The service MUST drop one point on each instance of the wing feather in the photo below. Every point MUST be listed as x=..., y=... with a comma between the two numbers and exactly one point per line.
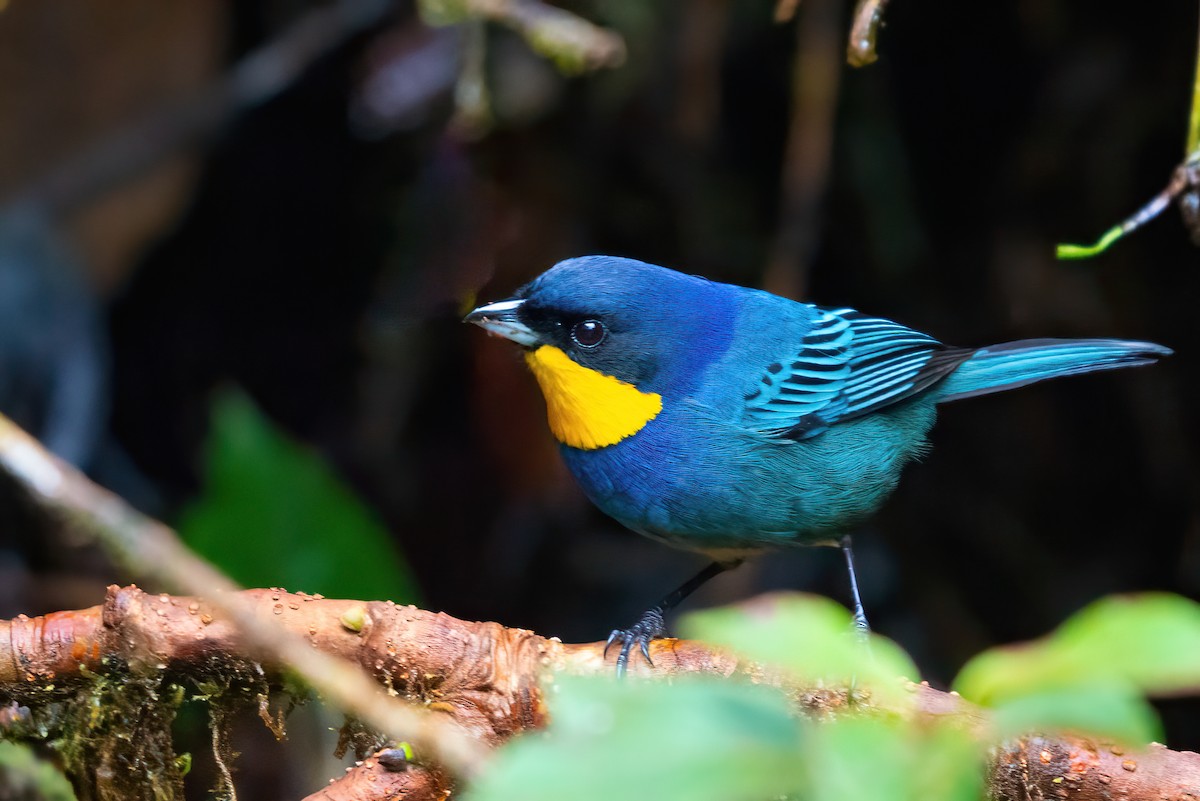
x=846, y=366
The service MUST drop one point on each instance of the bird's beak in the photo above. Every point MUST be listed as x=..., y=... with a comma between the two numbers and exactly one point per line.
x=500, y=318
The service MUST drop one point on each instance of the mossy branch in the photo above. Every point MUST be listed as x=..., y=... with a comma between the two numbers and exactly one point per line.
x=491, y=681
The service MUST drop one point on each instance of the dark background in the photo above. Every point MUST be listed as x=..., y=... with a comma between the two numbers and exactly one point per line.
x=319, y=252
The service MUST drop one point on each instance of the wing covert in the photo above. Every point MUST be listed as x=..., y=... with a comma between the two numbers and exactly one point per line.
x=846, y=366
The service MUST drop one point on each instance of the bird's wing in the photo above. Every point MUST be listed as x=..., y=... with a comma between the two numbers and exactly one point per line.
x=847, y=365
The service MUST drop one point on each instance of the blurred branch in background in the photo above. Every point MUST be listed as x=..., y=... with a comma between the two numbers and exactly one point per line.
x=816, y=69
x=571, y=42
x=808, y=155
x=53, y=356
x=150, y=549
x=127, y=153
x=473, y=115
x=864, y=29
x=408, y=69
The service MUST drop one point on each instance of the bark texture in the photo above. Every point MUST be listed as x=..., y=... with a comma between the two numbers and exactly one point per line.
x=489, y=679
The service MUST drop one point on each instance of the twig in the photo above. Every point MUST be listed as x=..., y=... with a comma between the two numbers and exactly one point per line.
x=573, y=43
x=1183, y=184
x=148, y=548
x=864, y=32
x=1193, y=136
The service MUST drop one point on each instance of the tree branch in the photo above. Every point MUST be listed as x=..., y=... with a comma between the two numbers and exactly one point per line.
x=370, y=780
x=489, y=680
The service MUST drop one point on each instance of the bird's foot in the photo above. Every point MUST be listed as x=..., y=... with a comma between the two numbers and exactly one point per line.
x=650, y=626
x=862, y=629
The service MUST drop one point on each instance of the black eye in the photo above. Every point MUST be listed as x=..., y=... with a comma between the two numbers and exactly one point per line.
x=589, y=333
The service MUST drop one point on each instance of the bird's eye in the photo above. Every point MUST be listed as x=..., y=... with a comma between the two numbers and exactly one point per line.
x=589, y=333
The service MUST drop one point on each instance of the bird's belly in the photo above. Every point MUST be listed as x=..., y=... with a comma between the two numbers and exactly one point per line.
x=701, y=485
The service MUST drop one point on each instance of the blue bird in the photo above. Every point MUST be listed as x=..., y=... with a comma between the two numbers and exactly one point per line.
x=731, y=421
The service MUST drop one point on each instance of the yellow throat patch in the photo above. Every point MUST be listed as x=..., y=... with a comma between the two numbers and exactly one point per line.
x=587, y=409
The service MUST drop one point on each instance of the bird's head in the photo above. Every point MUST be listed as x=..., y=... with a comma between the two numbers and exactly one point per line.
x=609, y=338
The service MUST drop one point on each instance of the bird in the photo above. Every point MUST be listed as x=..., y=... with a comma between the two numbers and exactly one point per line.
x=730, y=421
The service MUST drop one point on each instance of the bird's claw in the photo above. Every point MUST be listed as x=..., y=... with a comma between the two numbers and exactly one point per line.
x=862, y=629
x=650, y=626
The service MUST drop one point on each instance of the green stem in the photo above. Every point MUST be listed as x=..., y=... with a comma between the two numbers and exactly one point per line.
x=1194, y=120
x=1087, y=251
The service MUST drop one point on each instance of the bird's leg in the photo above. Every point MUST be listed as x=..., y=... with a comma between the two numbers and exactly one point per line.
x=860, y=617
x=651, y=624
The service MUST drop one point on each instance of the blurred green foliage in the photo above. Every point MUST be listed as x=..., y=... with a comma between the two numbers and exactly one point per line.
x=1149, y=643
x=699, y=739
x=705, y=737
x=809, y=637
x=1093, y=672
x=1112, y=711
x=273, y=514
x=23, y=775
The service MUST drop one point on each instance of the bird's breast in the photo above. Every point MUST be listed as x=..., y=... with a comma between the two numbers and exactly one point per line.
x=688, y=480
x=699, y=482
x=587, y=409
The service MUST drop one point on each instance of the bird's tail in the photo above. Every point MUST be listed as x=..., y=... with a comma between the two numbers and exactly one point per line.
x=1015, y=364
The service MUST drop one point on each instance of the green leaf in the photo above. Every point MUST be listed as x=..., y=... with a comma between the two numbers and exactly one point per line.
x=889, y=759
x=1148, y=642
x=1151, y=639
x=273, y=514
x=861, y=759
x=948, y=764
x=699, y=739
x=810, y=637
x=1113, y=711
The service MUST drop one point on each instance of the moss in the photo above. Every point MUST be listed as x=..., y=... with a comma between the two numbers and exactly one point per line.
x=362, y=739
x=114, y=737
x=113, y=732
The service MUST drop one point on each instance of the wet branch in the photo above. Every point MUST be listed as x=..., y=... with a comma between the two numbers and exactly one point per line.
x=490, y=681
